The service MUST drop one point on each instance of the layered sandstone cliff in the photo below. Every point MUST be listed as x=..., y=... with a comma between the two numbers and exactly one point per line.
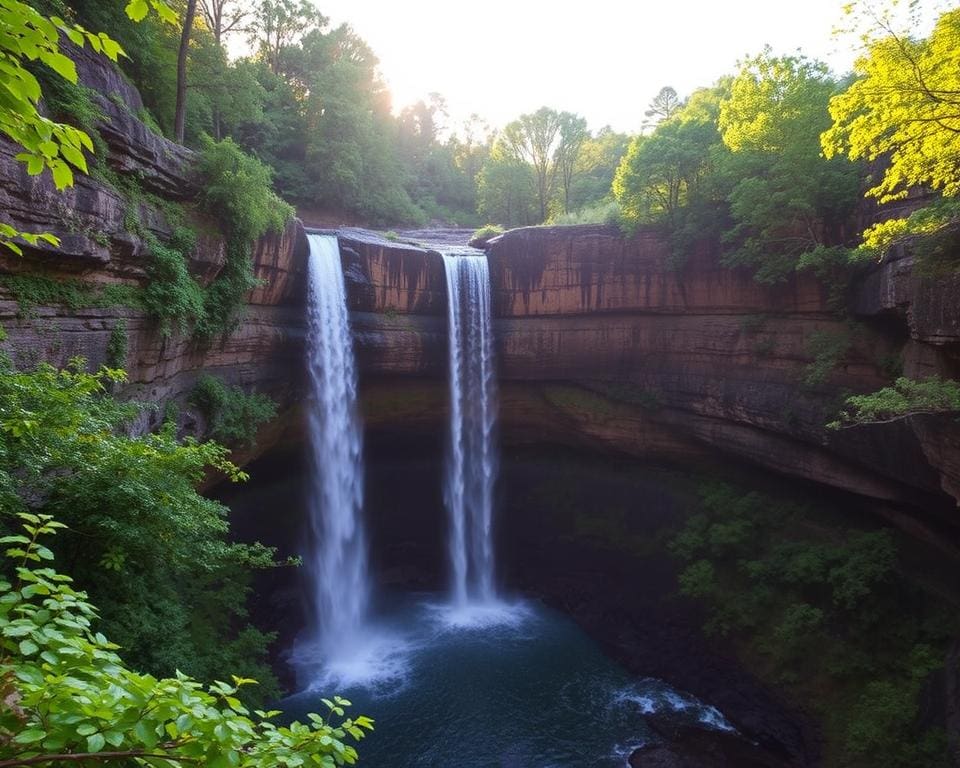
x=602, y=341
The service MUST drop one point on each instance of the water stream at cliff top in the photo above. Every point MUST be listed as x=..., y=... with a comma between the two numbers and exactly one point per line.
x=471, y=460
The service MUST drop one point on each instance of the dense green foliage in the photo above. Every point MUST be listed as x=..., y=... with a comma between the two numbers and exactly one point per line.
x=233, y=415
x=237, y=193
x=171, y=295
x=741, y=161
x=906, y=396
x=147, y=547
x=70, y=698
x=545, y=166
x=826, y=613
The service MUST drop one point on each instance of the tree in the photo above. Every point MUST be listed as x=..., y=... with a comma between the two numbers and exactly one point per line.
x=663, y=106
x=596, y=165
x=533, y=139
x=660, y=172
x=142, y=540
x=179, y=114
x=785, y=199
x=278, y=24
x=573, y=134
x=224, y=16
x=904, y=109
x=507, y=189
x=904, y=106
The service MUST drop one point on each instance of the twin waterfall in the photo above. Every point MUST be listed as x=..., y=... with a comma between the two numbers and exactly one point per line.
x=337, y=555
x=471, y=459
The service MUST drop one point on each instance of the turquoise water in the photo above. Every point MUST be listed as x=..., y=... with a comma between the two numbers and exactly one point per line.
x=507, y=685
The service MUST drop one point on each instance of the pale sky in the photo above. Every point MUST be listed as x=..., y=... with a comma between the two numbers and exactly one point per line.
x=604, y=59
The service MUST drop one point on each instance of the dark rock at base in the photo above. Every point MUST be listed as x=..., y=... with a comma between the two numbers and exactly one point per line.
x=691, y=747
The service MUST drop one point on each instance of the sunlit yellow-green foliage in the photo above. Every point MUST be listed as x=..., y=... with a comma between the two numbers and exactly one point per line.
x=905, y=106
x=773, y=100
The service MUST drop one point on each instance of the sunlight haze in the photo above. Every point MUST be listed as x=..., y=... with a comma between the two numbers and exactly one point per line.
x=502, y=58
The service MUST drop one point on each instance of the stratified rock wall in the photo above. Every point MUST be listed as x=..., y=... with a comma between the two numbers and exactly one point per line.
x=602, y=340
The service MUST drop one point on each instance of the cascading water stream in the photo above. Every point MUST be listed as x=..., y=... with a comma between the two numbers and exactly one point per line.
x=471, y=460
x=337, y=557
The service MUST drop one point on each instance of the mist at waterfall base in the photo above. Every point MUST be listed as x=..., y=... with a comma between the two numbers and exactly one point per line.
x=466, y=678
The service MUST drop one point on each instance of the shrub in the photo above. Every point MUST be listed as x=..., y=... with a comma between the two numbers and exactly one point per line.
x=237, y=192
x=117, y=345
x=602, y=212
x=826, y=613
x=233, y=415
x=487, y=231
x=171, y=295
x=906, y=396
x=69, y=693
x=34, y=290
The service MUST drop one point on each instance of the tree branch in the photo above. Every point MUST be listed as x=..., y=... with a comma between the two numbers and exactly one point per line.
x=77, y=756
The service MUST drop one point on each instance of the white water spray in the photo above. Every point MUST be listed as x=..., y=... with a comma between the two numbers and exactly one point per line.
x=337, y=559
x=471, y=461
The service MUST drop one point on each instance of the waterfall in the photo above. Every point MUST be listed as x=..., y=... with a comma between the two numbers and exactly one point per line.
x=471, y=461
x=337, y=558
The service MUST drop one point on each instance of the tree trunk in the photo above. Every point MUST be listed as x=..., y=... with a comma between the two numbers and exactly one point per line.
x=180, y=113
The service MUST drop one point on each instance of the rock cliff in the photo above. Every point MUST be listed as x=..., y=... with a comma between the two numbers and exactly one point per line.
x=600, y=340
x=101, y=227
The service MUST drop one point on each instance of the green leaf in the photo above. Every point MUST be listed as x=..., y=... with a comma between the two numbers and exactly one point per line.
x=146, y=734
x=28, y=647
x=95, y=742
x=60, y=64
x=62, y=175
x=137, y=9
x=29, y=736
x=74, y=156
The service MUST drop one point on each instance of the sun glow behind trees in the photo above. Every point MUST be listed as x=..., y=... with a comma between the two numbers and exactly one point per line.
x=604, y=62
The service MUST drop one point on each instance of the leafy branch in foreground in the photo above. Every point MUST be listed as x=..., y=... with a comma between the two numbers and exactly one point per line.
x=905, y=397
x=69, y=697
x=26, y=36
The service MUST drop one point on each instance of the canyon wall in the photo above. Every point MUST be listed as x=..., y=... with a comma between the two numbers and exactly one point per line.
x=602, y=341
